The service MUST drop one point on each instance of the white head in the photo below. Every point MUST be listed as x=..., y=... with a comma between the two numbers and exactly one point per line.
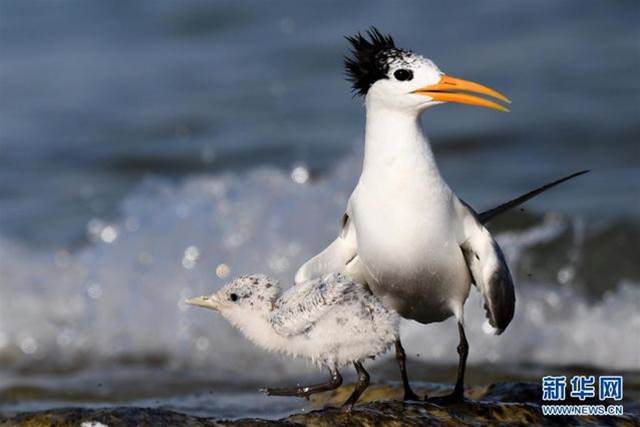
x=402, y=80
x=245, y=294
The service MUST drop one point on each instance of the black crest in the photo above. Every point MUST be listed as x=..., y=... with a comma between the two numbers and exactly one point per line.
x=369, y=59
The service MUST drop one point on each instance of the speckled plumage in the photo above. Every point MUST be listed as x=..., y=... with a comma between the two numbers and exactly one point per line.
x=332, y=321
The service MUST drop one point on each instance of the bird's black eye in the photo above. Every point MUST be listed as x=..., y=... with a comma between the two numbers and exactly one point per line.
x=403, y=75
x=233, y=297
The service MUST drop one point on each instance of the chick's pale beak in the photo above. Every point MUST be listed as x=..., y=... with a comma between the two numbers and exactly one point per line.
x=451, y=89
x=210, y=302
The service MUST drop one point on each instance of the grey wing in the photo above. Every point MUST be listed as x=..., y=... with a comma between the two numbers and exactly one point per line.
x=305, y=304
x=489, y=270
x=335, y=257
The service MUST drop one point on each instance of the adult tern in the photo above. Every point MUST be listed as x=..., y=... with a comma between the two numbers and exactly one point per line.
x=405, y=233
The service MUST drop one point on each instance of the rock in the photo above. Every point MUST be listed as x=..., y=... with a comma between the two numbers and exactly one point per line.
x=501, y=403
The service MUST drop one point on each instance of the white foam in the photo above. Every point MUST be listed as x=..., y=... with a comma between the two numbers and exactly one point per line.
x=551, y=326
x=122, y=294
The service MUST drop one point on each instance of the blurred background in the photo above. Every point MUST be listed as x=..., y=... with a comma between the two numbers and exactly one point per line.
x=151, y=150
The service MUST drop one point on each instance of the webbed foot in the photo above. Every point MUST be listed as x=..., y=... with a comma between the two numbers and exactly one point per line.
x=410, y=395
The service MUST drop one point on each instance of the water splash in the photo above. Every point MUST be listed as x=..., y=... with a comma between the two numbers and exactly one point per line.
x=120, y=298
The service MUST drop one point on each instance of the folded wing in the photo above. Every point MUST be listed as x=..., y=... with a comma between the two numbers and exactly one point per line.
x=335, y=257
x=302, y=306
x=489, y=270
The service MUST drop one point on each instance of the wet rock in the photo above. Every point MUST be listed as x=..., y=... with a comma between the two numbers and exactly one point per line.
x=102, y=417
x=515, y=403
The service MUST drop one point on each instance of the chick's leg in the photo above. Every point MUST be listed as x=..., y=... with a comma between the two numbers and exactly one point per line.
x=361, y=386
x=305, y=391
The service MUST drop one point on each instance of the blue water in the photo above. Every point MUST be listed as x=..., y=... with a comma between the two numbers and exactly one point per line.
x=133, y=131
x=95, y=96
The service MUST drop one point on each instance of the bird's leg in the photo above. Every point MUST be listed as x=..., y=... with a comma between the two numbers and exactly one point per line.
x=401, y=358
x=361, y=385
x=305, y=391
x=457, y=395
x=463, y=352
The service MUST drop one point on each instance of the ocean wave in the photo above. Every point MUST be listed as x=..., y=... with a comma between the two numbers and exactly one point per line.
x=120, y=298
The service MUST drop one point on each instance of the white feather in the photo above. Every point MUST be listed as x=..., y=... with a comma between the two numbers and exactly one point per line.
x=488, y=329
x=331, y=321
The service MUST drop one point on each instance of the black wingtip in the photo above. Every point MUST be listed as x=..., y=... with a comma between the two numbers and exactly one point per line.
x=486, y=216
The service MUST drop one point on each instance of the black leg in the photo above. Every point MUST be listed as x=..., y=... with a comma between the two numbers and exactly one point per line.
x=463, y=352
x=361, y=385
x=457, y=395
x=306, y=391
x=401, y=358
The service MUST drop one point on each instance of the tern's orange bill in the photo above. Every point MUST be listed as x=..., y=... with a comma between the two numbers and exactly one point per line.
x=451, y=89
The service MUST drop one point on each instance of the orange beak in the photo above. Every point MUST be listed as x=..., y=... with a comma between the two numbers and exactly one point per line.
x=451, y=89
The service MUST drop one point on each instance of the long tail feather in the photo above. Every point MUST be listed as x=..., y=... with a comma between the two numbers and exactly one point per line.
x=488, y=215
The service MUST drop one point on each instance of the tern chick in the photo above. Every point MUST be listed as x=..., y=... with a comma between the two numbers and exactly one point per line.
x=332, y=321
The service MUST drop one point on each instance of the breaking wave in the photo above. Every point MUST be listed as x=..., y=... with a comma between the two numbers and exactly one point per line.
x=119, y=298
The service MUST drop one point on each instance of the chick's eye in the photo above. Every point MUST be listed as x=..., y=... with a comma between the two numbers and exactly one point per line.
x=403, y=75
x=233, y=297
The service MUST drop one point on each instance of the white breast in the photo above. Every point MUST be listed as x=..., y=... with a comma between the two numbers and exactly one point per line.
x=408, y=239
